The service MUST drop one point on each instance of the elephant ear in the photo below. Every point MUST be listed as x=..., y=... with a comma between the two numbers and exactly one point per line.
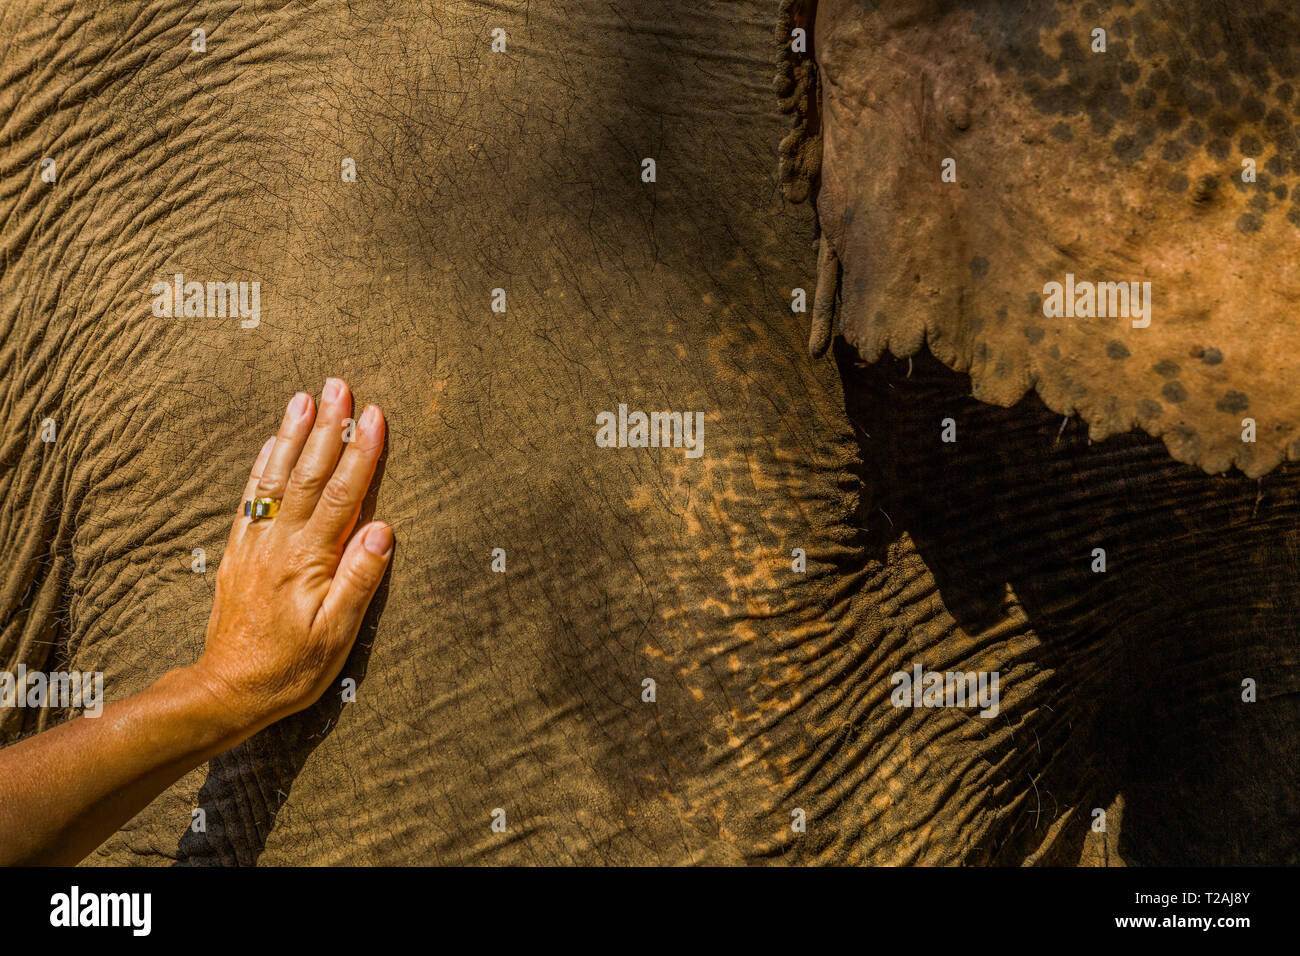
x=1086, y=148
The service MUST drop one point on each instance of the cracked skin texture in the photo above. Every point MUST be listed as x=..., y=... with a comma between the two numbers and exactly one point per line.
x=523, y=691
x=1117, y=166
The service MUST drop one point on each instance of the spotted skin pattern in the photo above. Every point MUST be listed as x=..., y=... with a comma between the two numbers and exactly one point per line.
x=1220, y=81
x=1125, y=164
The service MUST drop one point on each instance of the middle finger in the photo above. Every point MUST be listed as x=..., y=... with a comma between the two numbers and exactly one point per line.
x=319, y=455
x=336, y=512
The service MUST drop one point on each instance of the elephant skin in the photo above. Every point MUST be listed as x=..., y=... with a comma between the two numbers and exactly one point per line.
x=1069, y=163
x=519, y=696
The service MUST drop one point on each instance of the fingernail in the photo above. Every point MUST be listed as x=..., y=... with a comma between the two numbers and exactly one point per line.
x=333, y=389
x=298, y=407
x=369, y=418
x=266, y=447
x=379, y=539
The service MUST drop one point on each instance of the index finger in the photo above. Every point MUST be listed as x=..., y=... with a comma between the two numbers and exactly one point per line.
x=339, y=505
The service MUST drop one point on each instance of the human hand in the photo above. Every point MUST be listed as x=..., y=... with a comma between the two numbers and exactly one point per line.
x=292, y=590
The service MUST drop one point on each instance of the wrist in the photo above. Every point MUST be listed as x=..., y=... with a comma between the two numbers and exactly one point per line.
x=219, y=717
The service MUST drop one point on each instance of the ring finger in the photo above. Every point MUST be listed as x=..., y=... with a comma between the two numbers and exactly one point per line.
x=250, y=489
x=294, y=428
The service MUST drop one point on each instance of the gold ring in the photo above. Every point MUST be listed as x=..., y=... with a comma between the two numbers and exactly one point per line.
x=259, y=508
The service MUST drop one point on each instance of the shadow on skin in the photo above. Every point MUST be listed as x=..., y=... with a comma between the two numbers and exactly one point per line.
x=248, y=784
x=1144, y=662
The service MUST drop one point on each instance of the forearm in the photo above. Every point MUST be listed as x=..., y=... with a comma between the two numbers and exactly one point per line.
x=291, y=591
x=64, y=791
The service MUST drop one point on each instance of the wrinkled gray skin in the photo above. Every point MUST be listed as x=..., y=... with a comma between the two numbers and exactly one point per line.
x=524, y=691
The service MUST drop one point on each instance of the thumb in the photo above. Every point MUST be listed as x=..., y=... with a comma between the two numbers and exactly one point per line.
x=357, y=578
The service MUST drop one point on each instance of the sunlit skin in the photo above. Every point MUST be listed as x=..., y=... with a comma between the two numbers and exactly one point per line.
x=291, y=593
